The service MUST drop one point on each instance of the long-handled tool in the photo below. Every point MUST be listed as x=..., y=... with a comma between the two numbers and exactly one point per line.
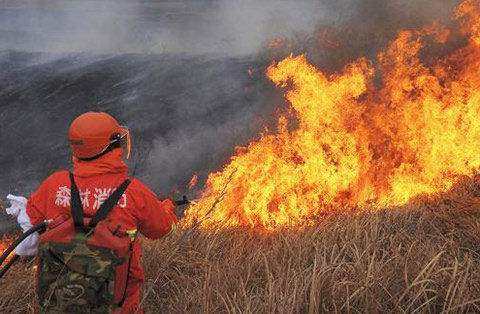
x=40, y=227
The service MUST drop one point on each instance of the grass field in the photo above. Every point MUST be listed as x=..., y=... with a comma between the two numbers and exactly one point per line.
x=420, y=258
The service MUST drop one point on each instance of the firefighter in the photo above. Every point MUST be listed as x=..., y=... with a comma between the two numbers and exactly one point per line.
x=99, y=148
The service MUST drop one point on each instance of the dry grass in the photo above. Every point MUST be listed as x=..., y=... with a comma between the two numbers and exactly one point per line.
x=402, y=262
x=422, y=259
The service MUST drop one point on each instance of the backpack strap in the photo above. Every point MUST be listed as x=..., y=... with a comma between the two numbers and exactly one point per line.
x=102, y=212
x=108, y=205
x=76, y=206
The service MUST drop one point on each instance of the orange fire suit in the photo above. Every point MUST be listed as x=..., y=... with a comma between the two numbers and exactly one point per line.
x=138, y=208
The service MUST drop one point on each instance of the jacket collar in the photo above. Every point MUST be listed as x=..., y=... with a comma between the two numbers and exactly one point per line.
x=110, y=163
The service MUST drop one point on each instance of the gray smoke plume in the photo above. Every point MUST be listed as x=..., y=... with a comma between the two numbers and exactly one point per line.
x=226, y=28
x=222, y=28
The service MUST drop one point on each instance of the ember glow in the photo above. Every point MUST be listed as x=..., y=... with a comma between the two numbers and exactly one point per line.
x=350, y=142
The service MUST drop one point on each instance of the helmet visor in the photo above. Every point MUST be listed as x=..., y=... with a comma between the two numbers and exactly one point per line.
x=126, y=142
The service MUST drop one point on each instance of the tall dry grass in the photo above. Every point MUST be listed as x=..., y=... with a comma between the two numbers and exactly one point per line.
x=425, y=258
x=419, y=261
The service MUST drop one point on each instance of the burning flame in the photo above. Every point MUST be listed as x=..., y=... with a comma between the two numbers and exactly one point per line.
x=193, y=182
x=348, y=142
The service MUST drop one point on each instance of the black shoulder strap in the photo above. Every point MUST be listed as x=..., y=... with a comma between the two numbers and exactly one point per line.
x=76, y=206
x=108, y=205
x=103, y=211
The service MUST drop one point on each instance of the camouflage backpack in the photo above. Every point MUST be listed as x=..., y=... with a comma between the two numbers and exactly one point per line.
x=79, y=259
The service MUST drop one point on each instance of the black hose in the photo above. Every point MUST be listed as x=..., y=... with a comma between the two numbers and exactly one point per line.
x=8, y=265
x=38, y=227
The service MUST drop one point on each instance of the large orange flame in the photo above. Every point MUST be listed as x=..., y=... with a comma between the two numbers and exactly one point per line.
x=355, y=144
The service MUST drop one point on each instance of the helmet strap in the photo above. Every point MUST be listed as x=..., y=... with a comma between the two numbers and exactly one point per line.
x=109, y=148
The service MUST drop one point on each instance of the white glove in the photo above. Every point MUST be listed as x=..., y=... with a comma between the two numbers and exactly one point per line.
x=18, y=208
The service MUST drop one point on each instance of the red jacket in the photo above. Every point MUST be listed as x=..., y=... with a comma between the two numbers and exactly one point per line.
x=138, y=208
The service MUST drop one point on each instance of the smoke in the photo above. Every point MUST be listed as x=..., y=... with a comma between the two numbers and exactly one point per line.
x=361, y=28
x=183, y=152
x=193, y=27
x=224, y=28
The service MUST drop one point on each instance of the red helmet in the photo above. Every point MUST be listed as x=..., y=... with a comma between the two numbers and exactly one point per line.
x=94, y=134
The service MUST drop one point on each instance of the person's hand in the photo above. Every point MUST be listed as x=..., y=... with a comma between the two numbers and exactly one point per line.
x=17, y=205
x=183, y=201
x=18, y=209
x=180, y=206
